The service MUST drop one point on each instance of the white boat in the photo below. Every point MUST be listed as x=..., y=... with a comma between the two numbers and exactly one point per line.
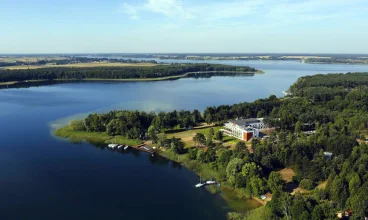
x=112, y=145
x=120, y=146
x=126, y=147
x=200, y=184
x=210, y=182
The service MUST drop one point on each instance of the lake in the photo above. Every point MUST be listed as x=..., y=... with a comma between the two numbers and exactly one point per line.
x=44, y=177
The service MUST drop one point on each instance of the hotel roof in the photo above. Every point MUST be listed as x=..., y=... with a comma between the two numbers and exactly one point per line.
x=243, y=122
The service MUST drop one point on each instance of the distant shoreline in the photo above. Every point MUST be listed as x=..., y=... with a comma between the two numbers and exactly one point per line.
x=14, y=83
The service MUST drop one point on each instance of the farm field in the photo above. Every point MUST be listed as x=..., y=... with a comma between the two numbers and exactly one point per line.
x=76, y=65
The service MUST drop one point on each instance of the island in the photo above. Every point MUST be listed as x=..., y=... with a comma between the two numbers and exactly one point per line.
x=303, y=156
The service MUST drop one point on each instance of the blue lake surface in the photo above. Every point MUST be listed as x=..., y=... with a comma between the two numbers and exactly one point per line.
x=43, y=177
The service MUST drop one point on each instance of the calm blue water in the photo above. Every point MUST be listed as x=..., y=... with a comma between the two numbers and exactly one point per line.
x=43, y=177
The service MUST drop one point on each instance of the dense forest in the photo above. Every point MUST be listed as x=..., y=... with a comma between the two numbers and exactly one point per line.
x=355, y=60
x=131, y=72
x=335, y=106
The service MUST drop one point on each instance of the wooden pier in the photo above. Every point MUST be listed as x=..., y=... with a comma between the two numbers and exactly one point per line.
x=140, y=147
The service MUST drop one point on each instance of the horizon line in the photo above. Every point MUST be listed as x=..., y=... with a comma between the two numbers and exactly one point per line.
x=184, y=53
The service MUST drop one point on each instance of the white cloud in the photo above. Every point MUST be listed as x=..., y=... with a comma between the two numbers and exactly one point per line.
x=289, y=11
x=169, y=8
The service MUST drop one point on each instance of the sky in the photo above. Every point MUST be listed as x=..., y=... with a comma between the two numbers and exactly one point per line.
x=183, y=26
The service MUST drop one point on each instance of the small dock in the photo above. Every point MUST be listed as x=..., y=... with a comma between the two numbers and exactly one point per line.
x=142, y=147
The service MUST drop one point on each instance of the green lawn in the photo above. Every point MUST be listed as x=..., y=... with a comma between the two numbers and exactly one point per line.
x=187, y=136
x=77, y=136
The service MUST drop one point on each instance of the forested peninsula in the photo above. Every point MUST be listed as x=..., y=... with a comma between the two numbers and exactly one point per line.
x=157, y=72
x=319, y=140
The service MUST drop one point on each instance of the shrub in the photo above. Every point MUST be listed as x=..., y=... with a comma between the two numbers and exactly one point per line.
x=307, y=184
x=77, y=125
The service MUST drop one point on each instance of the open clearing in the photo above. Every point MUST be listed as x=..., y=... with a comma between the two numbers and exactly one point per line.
x=287, y=174
x=322, y=185
x=299, y=190
x=93, y=64
x=187, y=136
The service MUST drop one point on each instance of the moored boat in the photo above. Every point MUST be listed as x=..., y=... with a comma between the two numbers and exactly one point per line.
x=112, y=145
x=210, y=182
x=200, y=184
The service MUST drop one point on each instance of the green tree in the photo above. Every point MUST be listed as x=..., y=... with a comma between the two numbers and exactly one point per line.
x=94, y=123
x=177, y=146
x=337, y=189
x=210, y=156
x=250, y=170
x=359, y=203
x=224, y=157
x=286, y=205
x=200, y=155
x=275, y=182
x=112, y=127
x=307, y=184
x=209, y=141
x=239, y=181
x=233, y=168
x=219, y=136
x=158, y=123
x=257, y=185
x=161, y=139
x=152, y=134
x=192, y=153
x=199, y=139
x=196, y=116
x=241, y=150
x=354, y=184
x=261, y=114
x=318, y=213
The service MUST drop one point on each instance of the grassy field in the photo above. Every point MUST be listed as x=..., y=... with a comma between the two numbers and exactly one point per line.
x=77, y=136
x=187, y=136
x=7, y=83
x=93, y=64
x=258, y=213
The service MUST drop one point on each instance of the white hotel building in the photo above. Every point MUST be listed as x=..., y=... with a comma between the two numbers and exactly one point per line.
x=244, y=129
